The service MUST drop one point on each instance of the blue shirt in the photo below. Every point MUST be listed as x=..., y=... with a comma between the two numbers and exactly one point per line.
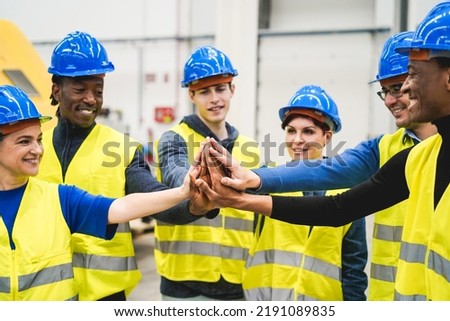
x=84, y=213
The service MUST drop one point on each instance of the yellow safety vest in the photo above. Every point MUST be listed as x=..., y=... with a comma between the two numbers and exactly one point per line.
x=40, y=268
x=101, y=267
x=387, y=231
x=424, y=265
x=206, y=249
x=290, y=262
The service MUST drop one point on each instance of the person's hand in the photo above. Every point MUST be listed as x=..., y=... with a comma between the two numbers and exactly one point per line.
x=237, y=177
x=199, y=204
x=189, y=188
x=204, y=172
x=215, y=191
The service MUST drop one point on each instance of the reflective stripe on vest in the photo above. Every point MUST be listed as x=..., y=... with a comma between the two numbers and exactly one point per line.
x=206, y=249
x=40, y=267
x=107, y=263
x=201, y=248
x=276, y=294
x=321, y=267
x=101, y=267
x=46, y=276
x=5, y=285
x=231, y=223
x=383, y=272
x=413, y=253
x=388, y=226
x=400, y=297
x=388, y=233
x=440, y=265
x=287, y=258
x=424, y=268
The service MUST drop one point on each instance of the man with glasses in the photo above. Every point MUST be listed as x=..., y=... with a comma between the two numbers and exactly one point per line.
x=395, y=91
x=358, y=164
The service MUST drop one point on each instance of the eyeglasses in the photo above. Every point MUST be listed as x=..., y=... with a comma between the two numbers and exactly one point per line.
x=394, y=91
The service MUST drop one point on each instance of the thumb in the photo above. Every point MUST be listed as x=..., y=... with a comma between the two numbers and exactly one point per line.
x=194, y=170
x=229, y=182
x=201, y=184
x=204, y=187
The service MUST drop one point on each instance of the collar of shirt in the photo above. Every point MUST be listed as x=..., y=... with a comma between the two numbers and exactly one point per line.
x=409, y=134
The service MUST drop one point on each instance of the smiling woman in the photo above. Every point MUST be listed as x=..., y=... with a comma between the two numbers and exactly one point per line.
x=20, y=136
x=22, y=150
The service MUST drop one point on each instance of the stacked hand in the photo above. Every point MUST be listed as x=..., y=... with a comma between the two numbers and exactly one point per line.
x=218, y=174
x=236, y=177
x=199, y=203
x=214, y=170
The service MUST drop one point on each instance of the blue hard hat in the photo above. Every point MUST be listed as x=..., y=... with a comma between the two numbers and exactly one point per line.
x=433, y=33
x=392, y=63
x=79, y=54
x=206, y=62
x=16, y=106
x=314, y=98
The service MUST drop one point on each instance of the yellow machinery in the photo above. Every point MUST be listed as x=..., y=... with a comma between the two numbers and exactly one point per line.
x=21, y=66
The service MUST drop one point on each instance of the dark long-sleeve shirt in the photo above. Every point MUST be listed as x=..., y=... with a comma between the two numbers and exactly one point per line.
x=386, y=188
